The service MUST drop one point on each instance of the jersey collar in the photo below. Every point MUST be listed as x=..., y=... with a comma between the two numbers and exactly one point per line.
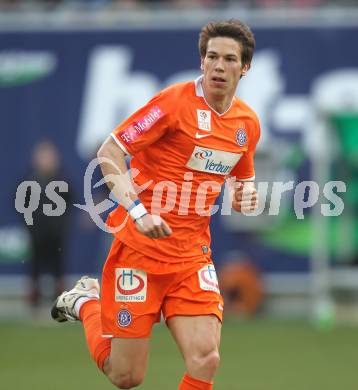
x=200, y=93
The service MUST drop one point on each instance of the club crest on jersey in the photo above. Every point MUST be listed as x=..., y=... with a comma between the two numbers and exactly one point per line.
x=130, y=285
x=208, y=279
x=204, y=119
x=124, y=318
x=241, y=137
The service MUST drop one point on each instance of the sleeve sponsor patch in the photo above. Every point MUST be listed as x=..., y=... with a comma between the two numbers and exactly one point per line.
x=141, y=126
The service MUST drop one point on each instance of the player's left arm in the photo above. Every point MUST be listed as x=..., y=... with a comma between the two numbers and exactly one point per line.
x=243, y=190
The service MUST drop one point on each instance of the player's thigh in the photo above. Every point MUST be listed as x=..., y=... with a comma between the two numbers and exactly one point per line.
x=196, y=335
x=128, y=358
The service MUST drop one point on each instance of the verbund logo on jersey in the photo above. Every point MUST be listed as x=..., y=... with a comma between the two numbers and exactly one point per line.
x=131, y=285
x=213, y=161
x=132, y=132
x=203, y=154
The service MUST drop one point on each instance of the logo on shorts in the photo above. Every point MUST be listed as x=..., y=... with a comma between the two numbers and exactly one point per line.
x=124, y=318
x=208, y=279
x=131, y=285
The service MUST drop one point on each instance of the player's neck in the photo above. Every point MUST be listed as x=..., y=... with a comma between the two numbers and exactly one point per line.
x=219, y=103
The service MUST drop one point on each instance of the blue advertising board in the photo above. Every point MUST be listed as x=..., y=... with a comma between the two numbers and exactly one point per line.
x=73, y=87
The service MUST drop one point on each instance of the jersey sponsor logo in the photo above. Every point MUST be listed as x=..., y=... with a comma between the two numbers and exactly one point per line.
x=198, y=135
x=124, y=318
x=141, y=126
x=208, y=279
x=203, y=154
x=241, y=137
x=204, y=119
x=131, y=285
x=212, y=161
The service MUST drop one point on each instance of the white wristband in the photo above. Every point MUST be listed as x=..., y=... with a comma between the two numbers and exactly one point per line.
x=138, y=211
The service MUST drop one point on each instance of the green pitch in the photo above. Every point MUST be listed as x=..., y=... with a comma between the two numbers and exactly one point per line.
x=256, y=355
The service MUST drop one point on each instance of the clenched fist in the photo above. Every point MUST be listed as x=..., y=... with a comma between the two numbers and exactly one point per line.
x=153, y=226
x=245, y=198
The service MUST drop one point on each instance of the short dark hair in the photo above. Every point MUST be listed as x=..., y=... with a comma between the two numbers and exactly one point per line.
x=232, y=28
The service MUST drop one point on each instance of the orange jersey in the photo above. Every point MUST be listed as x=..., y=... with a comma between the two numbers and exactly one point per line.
x=184, y=150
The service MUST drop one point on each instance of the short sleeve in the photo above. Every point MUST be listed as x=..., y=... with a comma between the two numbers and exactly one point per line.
x=145, y=126
x=244, y=170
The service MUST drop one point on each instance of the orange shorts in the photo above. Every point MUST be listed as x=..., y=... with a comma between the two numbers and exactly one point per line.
x=135, y=292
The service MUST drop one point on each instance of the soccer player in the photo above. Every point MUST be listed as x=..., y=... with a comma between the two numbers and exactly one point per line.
x=184, y=143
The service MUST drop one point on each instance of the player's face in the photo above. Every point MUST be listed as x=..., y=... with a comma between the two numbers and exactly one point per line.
x=222, y=66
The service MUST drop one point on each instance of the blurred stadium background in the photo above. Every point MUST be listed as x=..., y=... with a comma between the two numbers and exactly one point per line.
x=71, y=70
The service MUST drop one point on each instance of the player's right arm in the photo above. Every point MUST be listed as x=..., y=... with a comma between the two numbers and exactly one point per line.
x=115, y=172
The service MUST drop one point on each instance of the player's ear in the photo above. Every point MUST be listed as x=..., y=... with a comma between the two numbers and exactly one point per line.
x=202, y=64
x=245, y=69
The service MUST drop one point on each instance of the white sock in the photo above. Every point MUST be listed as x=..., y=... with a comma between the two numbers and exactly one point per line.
x=79, y=303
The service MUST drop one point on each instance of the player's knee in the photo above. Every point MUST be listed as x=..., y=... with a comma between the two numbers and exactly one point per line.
x=126, y=380
x=206, y=362
x=212, y=361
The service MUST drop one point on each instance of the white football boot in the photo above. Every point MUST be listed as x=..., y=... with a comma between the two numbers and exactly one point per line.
x=65, y=308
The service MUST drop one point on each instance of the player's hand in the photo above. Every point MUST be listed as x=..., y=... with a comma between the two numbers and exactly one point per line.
x=153, y=226
x=245, y=198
